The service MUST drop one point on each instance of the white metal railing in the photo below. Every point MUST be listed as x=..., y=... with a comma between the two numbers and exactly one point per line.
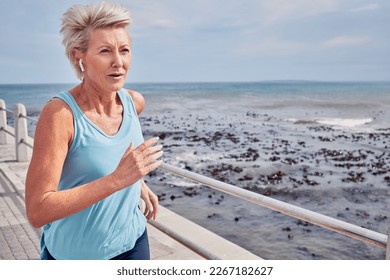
x=188, y=243
x=4, y=133
x=344, y=228
x=356, y=232
x=20, y=130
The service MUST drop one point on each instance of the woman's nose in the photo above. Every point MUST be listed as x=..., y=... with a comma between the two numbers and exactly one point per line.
x=117, y=60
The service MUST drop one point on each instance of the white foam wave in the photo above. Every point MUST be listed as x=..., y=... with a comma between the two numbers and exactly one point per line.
x=339, y=122
x=344, y=122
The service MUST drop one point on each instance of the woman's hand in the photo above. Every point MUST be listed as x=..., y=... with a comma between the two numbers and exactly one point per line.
x=136, y=163
x=151, y=202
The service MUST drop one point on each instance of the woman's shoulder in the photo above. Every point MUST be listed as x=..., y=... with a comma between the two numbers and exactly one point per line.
x=55, y=125
x=56, y=110
x=58, y=107
x=138, y=99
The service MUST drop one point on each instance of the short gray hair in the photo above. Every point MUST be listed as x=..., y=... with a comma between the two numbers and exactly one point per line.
x=79, y=20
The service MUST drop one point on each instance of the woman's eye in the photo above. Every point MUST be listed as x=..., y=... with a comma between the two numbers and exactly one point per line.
x=104, y=51
x=126, y=50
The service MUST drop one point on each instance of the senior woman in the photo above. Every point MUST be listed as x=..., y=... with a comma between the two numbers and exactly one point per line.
x=84, y=181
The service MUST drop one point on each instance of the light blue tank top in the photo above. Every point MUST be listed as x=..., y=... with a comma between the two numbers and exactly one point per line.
x=112, y=225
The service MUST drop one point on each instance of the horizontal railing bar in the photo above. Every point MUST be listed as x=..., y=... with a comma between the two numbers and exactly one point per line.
x=7, y=131
x=344, y=228
x=22, y=141
x=3, y=109
x=184, y=241
x=29, y=118
x=20, y=116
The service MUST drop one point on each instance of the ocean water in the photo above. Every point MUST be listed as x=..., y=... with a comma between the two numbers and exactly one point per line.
x=271, y=95
x=342, y=104
x=324, y=146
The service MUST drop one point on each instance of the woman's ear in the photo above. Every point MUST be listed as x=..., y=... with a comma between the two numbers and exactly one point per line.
x=77, y=54
x=77, y=58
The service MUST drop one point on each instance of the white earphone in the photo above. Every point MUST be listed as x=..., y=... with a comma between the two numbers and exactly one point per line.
x=81, y=65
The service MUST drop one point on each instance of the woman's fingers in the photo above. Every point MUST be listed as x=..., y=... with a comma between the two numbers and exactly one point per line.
x=147, y=144
x=151, y=202
x=152, y=166
x=150, y=155
x=151, y=150
x=138, y=162
x=151, y=206
x=153, y=157
x=154, y=200
x=148, y=209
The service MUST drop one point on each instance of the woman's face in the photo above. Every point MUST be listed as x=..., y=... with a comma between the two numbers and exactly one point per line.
x=107, y=58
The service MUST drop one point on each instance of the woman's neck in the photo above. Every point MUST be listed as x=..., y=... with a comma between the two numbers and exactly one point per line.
x=92, y=99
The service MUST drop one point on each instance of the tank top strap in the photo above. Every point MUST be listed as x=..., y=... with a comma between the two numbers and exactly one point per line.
x=127, y=102
x=68, y=99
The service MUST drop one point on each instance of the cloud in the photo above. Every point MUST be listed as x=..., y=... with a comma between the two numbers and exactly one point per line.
x=369, y=7
x=272, y=46
x=346, y=41
x=274, y=11
x=276, y=47
x=156, y=16
x=163, y=24
x=188, y=16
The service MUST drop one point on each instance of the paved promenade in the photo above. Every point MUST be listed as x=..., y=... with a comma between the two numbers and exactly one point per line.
x=20, y=241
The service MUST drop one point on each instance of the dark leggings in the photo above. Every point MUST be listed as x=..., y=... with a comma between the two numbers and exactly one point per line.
x=140, y=251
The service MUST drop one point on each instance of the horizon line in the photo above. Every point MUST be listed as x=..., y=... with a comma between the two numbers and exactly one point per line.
x=205, y=82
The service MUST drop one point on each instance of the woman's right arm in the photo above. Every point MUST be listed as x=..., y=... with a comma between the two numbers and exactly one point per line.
x=53, y=135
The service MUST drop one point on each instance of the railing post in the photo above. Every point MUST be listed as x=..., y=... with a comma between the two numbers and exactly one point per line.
x=388, y=245
x=4, y=138
x=21, y=133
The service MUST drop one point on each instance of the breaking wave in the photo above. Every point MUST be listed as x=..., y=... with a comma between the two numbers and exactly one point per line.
x=339, y=122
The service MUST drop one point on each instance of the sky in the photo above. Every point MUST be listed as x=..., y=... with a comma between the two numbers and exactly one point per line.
x=212, y=40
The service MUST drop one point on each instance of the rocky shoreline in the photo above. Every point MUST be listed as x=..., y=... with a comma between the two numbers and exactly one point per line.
x=343, y=174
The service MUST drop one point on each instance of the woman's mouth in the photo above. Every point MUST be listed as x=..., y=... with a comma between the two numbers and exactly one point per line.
x=115, y=75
